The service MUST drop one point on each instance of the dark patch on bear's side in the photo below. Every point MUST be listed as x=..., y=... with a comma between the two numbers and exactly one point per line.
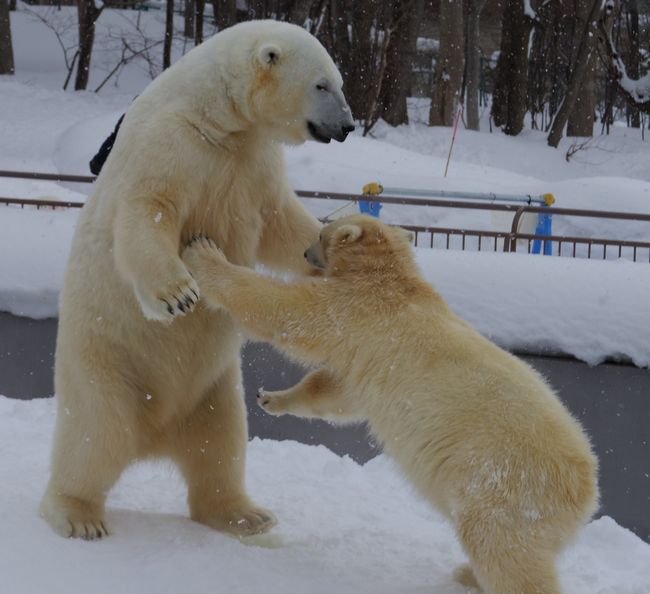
x=97, y=162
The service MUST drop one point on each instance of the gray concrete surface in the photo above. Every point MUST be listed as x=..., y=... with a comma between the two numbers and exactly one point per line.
x=612, y=401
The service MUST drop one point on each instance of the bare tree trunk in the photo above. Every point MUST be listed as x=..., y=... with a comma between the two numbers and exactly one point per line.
x=450, y=66
x=510, y=103
x=169, y=34
x=6, y=49
x=633, y=68
x=298, y=11
x=198, y=21
x=88, y=15
x=188, y=8
x=583, y=59
x=399, y=62
x=355, y=50
x=581, y=118
x=473, y=65
x=257, y=9
x=225, y=13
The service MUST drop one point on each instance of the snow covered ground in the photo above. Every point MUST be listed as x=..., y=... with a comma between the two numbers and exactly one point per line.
x=343, y=528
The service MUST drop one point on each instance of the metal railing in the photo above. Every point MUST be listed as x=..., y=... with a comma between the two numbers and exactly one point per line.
x=511, y=240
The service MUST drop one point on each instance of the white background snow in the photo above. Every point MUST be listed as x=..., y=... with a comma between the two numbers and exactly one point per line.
x=343, y=528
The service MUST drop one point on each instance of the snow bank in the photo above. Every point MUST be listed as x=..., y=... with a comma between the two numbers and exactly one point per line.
x=588, y=309
x=343, y=528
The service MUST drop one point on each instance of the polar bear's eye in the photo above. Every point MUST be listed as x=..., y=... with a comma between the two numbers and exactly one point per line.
x=320, y=87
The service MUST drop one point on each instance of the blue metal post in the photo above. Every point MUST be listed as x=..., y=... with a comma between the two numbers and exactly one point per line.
x=371, y=208
x=545, y=229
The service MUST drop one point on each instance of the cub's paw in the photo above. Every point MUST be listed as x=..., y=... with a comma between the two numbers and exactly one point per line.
x=176, y=298
x=272, y=402
x=201, y=254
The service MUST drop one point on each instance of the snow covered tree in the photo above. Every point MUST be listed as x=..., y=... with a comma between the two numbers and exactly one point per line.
x=451, y=62
x=6, y=48
x=635, y=89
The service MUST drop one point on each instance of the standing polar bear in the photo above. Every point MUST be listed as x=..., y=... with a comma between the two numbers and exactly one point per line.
x=477, y=431
x=199, y=150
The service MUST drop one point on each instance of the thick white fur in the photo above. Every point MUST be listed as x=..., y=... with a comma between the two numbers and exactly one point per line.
x=198, y=151
x=477, y=431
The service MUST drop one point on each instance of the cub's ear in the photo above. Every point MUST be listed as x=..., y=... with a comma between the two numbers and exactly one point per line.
x=348, y=234
x=268, y=55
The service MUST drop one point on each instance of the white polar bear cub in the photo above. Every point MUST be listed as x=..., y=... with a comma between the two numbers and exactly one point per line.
x=198, y=151
x=477, y=431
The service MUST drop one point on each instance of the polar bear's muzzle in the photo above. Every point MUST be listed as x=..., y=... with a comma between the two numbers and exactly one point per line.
x=325, y=133
x=314, y=255
x=331, y=118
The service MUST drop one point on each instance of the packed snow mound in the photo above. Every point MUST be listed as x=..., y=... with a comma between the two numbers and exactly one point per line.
x=343, y=528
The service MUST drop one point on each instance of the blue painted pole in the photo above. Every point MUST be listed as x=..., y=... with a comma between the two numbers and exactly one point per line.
x=544, y=229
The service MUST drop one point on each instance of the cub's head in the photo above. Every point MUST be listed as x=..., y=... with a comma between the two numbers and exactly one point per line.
x=360, y=243
x=295, y=89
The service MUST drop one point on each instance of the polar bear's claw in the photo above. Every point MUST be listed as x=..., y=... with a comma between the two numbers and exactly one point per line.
x=179, y=299
x=73, y=518
x=245, y=521
x=273, y=405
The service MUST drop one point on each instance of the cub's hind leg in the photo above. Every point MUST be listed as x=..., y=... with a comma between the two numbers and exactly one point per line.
x=506, y=558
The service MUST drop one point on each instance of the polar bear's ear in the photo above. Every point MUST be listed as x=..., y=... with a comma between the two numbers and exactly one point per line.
x=268, y=55
x=348, y=234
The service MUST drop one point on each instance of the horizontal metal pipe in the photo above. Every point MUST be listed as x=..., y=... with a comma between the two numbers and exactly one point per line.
x=525, y=198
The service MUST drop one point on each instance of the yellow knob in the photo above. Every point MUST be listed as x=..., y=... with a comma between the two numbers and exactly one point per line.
x=373, y=188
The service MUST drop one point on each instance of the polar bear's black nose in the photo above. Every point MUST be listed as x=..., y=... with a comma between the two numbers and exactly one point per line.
x=345, y=130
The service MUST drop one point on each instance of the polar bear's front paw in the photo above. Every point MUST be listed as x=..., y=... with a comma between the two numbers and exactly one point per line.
x=176, y=298
x=272, y=403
